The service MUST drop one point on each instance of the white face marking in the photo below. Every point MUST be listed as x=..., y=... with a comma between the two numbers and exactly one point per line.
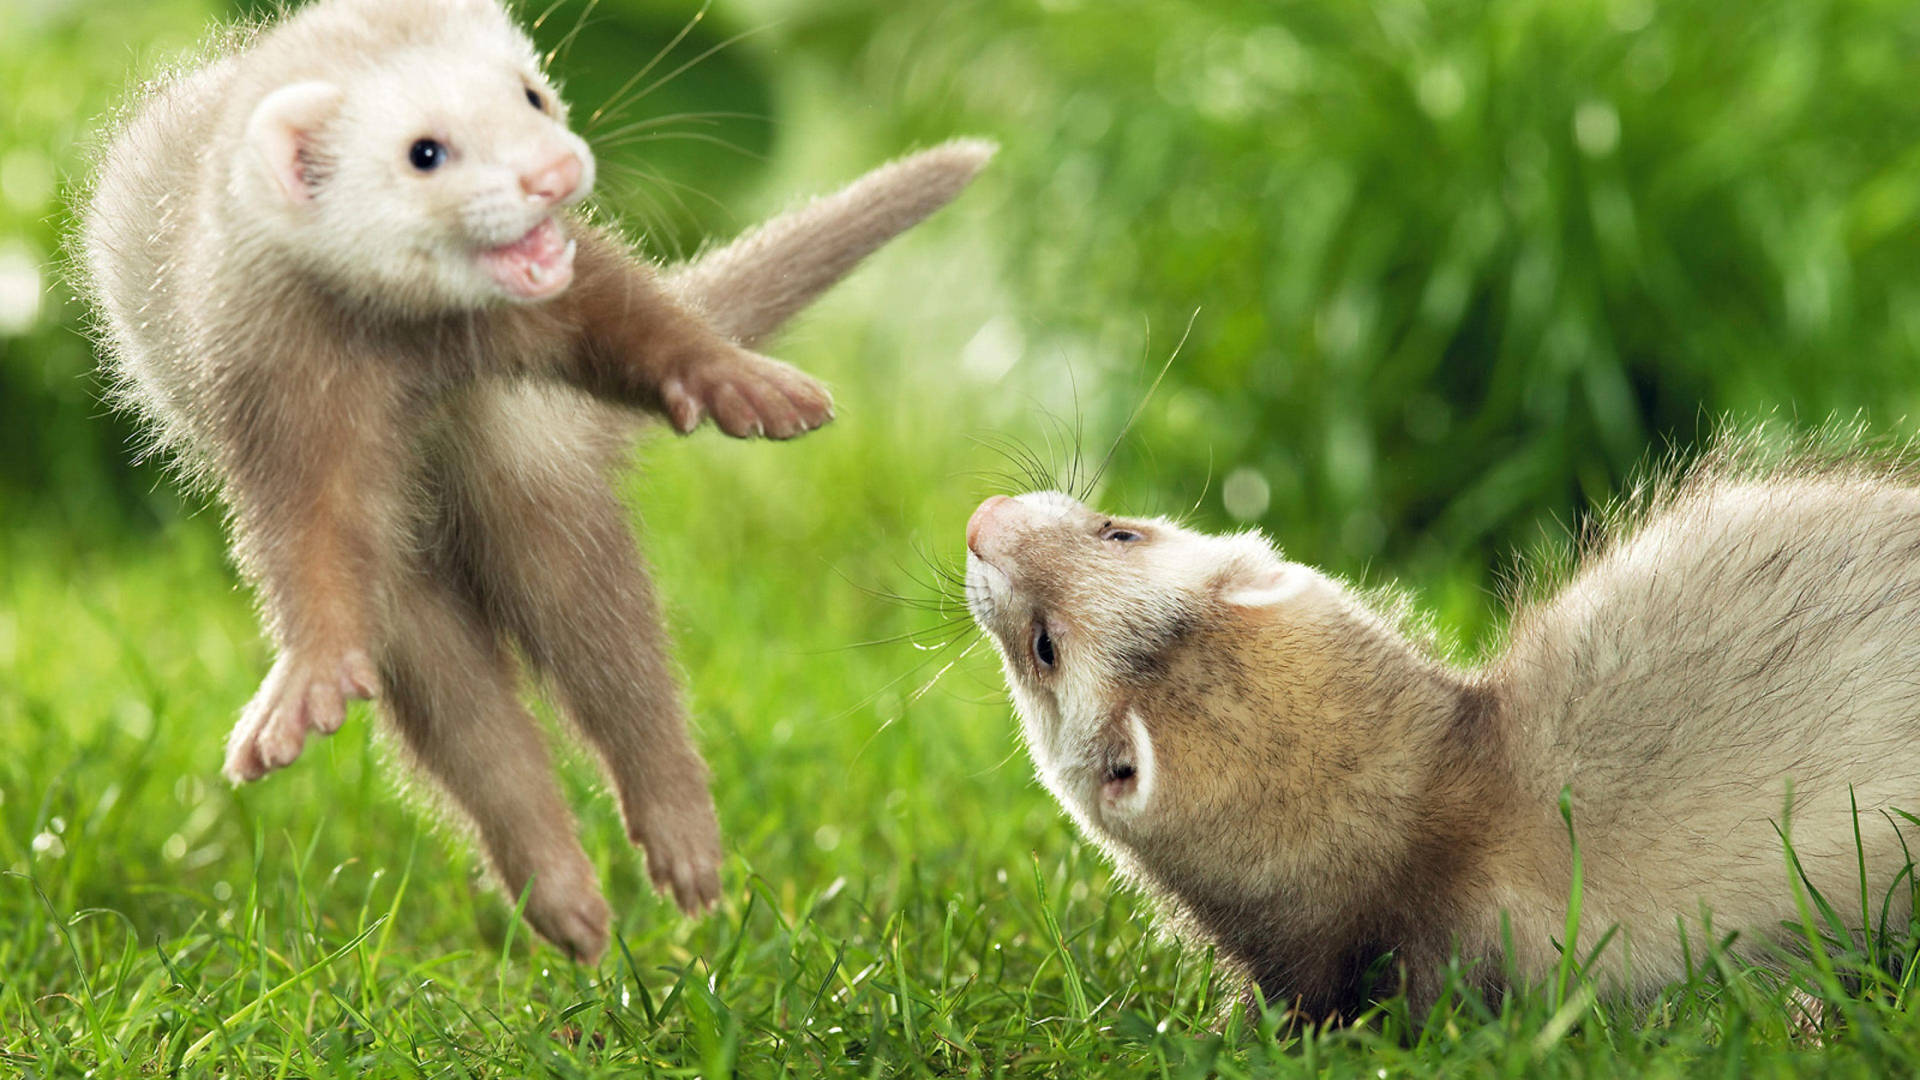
x=1114, y=608
x=1061, y=726
x=1042, y=561
x=1050, y=504
x=470, y=221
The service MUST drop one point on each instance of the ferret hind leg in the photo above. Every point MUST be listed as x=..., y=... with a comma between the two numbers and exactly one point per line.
x=450, y=692
x=559, y=568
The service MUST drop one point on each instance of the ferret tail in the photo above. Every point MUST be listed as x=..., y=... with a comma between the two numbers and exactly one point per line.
x=753, y=285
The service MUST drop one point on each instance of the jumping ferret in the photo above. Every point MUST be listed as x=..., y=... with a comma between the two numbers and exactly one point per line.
x=339, y=271
x=1301, y=783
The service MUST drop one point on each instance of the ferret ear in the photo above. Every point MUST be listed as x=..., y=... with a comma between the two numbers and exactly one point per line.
x=1270, y=588
x=1262, y=579
x=1130, y=779
x=281, y=131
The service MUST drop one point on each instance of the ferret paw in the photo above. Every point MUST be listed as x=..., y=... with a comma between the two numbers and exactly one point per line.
x=683, y=853
x=300, y=694
x=566, y=908
x=748, y=396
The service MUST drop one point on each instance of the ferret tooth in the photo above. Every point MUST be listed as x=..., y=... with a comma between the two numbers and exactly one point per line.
x=572, y=246
x=537, y=272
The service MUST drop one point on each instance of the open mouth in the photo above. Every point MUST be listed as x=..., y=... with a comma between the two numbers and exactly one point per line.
x=534, y=267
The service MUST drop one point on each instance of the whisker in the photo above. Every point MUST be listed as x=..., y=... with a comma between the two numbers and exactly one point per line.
x=1073, y=474
x=943, y=636
x=1134, y=417
x=997, y=479
x=684, y=136
x=918, y=603
x=671, y=185
x=593, y=120
x=564, y=47
x=654, y=219
x=709, y=119
x=938, y=675
x=542, y=20
x=951, y=576
x=1050, y=458
x=945, y=595
x=915, y=696
x=1020, y=456
x=933, y=561
x=677, y=72
x=1052, y=471
x=937, y=600
x=1068, y=474
x=1001, y=764
x=922, y=602
x=1205, y=484
x=643, y=181
x=948, y=596
x=1027, y=464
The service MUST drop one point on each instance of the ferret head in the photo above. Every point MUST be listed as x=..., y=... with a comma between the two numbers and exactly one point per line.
x=423, y=170
x=1201, y=706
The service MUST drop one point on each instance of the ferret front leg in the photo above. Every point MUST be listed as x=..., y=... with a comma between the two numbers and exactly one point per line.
x=312, y=468
x=640, y=346
x=317, y=604
x=302, y=694
x=748, y=395
x=451, y=694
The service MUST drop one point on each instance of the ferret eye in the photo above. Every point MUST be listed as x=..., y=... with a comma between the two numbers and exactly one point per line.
x=1043, y=647
x=427, y=154
x=1118, y=536
x=534, y=99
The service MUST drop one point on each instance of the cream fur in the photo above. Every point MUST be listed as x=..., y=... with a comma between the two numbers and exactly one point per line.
x=409, y=384
x=1324, y=792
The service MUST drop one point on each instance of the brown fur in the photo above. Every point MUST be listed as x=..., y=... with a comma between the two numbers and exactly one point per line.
x=1301, y=783
x=417, y=477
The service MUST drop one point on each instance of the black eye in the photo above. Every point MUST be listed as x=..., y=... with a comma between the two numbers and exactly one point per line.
x=1043, y=647
x=427, y=155
x=534, y=99
x=1120, y=772
x=1121, y=536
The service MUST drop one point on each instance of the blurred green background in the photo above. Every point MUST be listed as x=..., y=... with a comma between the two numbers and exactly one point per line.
x=1452, y=268
x=1453, y=271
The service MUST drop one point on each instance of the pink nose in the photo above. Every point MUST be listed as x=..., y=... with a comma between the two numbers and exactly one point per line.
x=982, y=520
x=553, y=181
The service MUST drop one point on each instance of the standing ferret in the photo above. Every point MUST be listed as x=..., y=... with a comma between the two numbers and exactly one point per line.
x=339, y=271
x=1300, y=782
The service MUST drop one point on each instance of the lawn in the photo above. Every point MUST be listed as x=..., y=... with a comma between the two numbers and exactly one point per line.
x=1393, y=393
x=901, y=897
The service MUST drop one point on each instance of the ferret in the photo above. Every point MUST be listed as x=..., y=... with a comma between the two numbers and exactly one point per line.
x=342, y=270
x=1301, y=782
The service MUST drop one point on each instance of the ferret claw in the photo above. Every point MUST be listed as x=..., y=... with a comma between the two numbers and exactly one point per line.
x=683, y=855
x=566, y=907
x=749, y=396
x=297, y=697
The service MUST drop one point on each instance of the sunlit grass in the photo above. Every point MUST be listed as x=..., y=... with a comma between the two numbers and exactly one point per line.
x=901, y=898
x=1455, y=270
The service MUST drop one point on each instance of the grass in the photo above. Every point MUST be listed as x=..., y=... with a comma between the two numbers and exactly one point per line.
x=901, y=898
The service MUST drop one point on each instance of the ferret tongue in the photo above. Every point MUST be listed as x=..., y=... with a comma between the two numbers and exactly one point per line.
x=534, y=267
